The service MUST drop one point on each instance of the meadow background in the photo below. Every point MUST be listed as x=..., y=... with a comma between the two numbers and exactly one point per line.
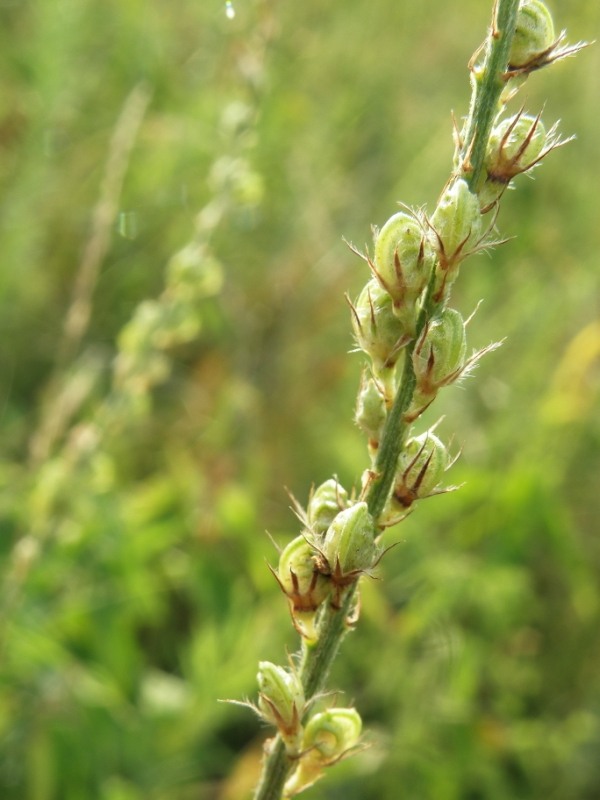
x=174, y=339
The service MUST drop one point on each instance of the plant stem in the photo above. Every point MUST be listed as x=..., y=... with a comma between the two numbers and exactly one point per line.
x=394, y=434
x=488, y=82
x=275, y=769
x=316, y=660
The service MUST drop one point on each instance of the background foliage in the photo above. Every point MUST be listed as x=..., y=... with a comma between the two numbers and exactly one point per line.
x=141, y=463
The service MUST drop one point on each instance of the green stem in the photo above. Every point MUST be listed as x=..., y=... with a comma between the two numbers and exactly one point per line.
x=275, y=769
x=488, y=83
x=393, y=436
x=317, y=659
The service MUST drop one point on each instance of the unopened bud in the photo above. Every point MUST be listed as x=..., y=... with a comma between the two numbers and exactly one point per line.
x=534, y=34
x=324, y=504
x=420, y=468
x=349, y=546
x=439, y=355
x=402, y=258
x=299, y=578
x=457, y=223
x=378, y=332
x=515, y=146
x=281, y=698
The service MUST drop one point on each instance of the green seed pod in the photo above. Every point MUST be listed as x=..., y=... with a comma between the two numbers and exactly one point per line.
x=420, y=468
x=440, y=352
x=349, y=546
x=378, y=332
x=298, y=576
x=332, y=733
x=534, y=33
x=371, y=411
x=457, y=223
x=402, y=258
x=515, y=145
x=324, y=504
x=281, y=697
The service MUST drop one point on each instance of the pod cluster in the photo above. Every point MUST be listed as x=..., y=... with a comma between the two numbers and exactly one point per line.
x=415, y=345
x=312, y=745
x=335, y=548
x=401, y=319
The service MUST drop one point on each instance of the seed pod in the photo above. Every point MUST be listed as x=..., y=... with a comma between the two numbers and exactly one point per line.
x=299, y=578
x=281, y=698
x=349, y=546
x=515, y=146
x=439, y=355
x=534, y=34
x=378, y=332
x=402, y=258
x=420, y=468
x=325, y=503
x=457, y=223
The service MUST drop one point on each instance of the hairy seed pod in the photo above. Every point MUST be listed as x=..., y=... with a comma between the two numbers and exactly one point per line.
x=514, y=146
x=281, y=697
x=440, y=352
x=420, y=468
x=298, y=576
x=456, y=222
x=349, y=546
x=324, y=504
x=378, y=332
x=534, y=33
x=402, y=258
